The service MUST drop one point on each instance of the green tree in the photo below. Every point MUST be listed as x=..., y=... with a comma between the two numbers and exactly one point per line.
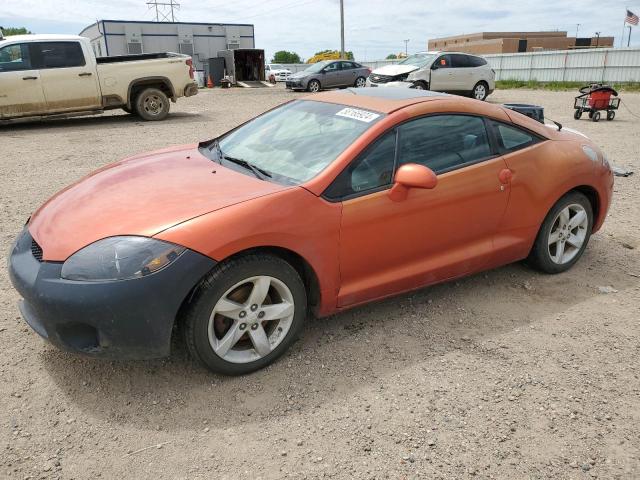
x=349, y=55
x=392, y=56
x=15, y=31
x=282, y=56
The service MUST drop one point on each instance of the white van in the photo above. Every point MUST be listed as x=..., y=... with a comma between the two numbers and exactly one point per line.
x=452, y=72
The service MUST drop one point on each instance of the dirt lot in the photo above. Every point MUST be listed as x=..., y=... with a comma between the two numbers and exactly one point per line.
x=507, y=374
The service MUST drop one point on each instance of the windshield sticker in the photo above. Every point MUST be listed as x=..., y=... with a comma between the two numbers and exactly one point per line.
x=357, y=114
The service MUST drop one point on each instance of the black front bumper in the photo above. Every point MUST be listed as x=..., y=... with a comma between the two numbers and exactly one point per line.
x=128, y=319
x=294, y=85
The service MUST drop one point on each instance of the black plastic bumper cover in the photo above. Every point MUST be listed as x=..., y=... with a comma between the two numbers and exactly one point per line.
x=129, y=319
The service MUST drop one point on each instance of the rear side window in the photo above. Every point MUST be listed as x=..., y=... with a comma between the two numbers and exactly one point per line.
x=444, y=142
x=60, y=54
x=15, y=57
x=347, y=66
x=371, y=171
x=459, y=61
x=476, y=61
x=512, y=138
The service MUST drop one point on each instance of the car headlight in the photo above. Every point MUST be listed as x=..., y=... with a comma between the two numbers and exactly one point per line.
x=120, y=258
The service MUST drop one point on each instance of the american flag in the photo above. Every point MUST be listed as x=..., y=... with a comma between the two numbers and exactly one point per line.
x=631, y=18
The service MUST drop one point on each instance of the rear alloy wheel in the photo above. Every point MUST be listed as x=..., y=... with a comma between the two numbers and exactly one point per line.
x=152, y=104
x=480, y=91
x=360, y=82
x=563, y=235
x=245, y=314
x=313, y=86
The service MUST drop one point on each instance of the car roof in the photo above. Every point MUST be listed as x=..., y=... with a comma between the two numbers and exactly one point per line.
x=41, y=38
x=380, y=99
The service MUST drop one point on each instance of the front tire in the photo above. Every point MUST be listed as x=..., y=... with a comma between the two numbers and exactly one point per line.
x=245, y=314
x=313, y=86
x=564, y=234
x=420, y=85
x=152, y=104
x=480, y=91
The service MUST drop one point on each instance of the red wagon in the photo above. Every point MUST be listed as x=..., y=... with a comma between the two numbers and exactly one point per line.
x=594, y=99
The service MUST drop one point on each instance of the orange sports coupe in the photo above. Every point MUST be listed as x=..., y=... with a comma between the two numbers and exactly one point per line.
x=320, y=204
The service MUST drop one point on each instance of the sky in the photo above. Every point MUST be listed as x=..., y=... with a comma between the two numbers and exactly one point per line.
x=373, y=28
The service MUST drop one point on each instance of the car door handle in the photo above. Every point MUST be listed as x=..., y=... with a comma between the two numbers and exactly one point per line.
x=505, y=176
x=85, y=74
x=29, y=78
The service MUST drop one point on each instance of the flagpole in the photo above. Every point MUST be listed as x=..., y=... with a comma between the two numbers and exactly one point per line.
x=629, y=41
x=624, y=24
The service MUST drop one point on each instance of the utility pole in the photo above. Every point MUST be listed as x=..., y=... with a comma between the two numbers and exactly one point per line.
x=406, y=51
x=577, y=28
x=342, y=29
x=597, y=39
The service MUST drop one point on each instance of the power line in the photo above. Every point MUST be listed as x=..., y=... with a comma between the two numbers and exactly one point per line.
x=164, y=10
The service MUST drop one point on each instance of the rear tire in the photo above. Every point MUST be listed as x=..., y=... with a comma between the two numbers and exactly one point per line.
x=480, y=91
x=230, y=342
x=596, y=117
x=611, y=115
x=360, y=82
x=152, y=104
x=577, y=114
x=563, y=235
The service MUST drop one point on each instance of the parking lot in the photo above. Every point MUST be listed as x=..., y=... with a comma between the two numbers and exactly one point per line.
x=506, y=374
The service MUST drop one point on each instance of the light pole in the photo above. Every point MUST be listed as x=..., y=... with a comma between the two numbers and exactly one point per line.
x=342, y=29
x=406, y=52
x=577, y=28
x=597, y=39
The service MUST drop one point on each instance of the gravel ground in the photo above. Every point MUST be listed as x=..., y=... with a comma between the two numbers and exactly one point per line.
x=505, y=374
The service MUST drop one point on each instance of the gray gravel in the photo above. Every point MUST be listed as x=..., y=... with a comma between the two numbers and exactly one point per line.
x=506, y=374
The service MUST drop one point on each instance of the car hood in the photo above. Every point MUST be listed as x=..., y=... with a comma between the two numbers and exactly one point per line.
x=393, y=70
x=300, y=74
x=141, y=195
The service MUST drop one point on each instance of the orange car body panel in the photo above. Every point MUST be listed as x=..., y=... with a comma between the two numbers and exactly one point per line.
x=477, y=217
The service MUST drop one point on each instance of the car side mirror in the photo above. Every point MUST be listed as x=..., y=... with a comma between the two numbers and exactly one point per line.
x=410, y=176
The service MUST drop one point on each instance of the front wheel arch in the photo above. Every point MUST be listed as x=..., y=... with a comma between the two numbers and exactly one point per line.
x=297, y=261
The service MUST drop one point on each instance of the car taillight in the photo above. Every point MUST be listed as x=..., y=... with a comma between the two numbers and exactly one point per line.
x=189, y=62
x=369, y=70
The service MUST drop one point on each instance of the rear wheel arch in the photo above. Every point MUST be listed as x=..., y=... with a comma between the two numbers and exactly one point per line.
x=161, y=83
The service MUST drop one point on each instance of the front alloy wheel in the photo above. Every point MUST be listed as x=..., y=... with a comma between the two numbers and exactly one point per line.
x=245, y=314
x=313, y=86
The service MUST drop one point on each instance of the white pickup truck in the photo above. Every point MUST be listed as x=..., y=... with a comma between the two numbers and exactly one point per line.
x=58, y=75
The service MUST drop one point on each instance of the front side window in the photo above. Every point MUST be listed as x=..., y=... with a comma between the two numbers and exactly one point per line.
x=60, y=54
x=332, y=67
x=443, y=61
x=295, y=142
x=372, y=170
x=512, y=138
x=443, y=142
x=15, y=57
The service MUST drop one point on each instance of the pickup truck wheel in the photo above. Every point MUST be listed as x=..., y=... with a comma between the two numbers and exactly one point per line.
x=152, y=104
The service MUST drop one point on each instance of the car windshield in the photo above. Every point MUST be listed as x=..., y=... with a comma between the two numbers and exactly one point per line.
x=293, y=143
x=316, y=67
x=419, y=60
